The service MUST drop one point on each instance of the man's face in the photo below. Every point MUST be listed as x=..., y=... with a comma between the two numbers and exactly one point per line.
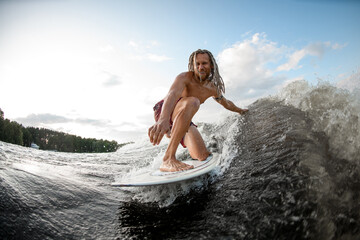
x=202, y=66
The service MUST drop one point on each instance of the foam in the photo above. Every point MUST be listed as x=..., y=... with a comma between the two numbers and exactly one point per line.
x=334, y=111
x=222, y=134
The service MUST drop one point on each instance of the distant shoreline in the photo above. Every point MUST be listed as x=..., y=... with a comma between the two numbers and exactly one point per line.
x=45, y=139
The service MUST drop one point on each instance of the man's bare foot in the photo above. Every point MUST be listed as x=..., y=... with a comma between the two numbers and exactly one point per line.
x=173, y=165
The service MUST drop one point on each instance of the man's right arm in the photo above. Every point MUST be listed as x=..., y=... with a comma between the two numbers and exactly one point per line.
x=162, y=126
x=173, y=95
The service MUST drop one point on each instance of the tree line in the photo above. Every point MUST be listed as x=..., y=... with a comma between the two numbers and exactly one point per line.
x=13, y=132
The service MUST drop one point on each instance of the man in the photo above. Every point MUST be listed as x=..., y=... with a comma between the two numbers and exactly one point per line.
x=173, y=114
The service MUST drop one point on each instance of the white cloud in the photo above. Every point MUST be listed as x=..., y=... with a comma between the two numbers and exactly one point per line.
x=252, y=68
x=293, y=62
x=40, y=119
x=317, y=49
x=141, y=46
x=106, y=48
x=337, y=46
x=154, y=43
x=133, y=45
x=85, y=127
x=244, y=65
x=48, y=119
x=142, y=51
x=111, y=80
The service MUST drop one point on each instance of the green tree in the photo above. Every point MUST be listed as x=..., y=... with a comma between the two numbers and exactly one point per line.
x=1, y=125
x=27, y=138
x=12, y=132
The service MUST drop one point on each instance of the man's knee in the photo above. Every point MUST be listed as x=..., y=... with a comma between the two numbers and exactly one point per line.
x=192, y=103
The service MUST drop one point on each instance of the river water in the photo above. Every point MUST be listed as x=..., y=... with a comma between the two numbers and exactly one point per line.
x=289, y=169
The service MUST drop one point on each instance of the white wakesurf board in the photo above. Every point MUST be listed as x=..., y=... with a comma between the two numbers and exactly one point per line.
x=156, y=177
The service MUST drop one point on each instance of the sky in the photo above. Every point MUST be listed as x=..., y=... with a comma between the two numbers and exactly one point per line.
x=96, y=68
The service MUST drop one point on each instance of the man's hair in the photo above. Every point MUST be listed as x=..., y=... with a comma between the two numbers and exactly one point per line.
x=214, y=76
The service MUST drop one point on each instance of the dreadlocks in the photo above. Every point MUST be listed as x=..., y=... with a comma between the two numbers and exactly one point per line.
x=214, y=76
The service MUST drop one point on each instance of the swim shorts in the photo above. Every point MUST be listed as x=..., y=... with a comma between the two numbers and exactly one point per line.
x=157, y=111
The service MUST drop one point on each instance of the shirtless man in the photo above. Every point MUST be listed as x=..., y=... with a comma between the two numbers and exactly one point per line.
x=173, y=114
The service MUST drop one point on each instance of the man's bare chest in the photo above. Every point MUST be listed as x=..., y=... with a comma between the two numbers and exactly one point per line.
x=200, y=91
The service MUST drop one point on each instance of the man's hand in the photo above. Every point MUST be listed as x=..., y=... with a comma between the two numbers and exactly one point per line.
x=157, y=131
x=243, y=111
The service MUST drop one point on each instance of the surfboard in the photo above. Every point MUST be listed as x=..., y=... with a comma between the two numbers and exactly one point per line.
x=156, y=177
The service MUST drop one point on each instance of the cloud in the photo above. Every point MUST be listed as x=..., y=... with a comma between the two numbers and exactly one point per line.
x=106, y=48
x=134, y=45
x=92, y=122
x=244, y=65
x=142, y=51
x=140, y=46
x=317, y=49
x=252, y=68
x=127, y=124
x=85, y=127
x=337, y=46
x=154, y=43
x=46, y=119
x=314, y=49
x=293, y=62
x=111, y=80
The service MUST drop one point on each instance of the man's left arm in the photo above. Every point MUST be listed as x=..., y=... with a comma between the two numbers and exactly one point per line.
x=230, y=105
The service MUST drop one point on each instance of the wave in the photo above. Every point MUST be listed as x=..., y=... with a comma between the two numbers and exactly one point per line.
x=289, y=169
x=334, y=111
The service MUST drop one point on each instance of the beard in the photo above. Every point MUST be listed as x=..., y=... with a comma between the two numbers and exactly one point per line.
x=203, y=77
x=206, y=76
